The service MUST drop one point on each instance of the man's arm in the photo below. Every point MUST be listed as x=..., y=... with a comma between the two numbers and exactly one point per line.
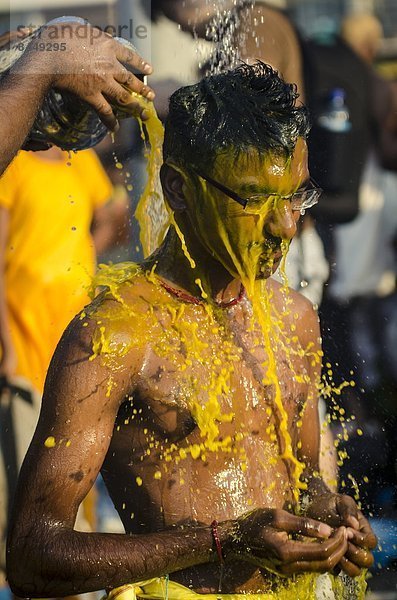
x=20, y=100
x=46, y=557
x=92, y=68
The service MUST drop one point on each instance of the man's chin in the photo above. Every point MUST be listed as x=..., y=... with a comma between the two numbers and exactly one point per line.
x=264, y=272
x=267, y=269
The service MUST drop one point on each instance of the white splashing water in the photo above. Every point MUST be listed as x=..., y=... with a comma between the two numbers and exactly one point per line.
x=228, y=30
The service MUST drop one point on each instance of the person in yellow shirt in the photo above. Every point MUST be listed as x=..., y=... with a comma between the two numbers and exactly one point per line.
x=57, y=211
x=48, y=204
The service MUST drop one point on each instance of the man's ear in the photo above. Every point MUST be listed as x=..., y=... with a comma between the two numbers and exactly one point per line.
x=172, y=183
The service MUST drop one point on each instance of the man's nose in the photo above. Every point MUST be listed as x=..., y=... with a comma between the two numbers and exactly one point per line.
x=282, y=220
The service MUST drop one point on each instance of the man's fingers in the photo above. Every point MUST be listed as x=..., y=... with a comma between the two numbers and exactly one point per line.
x=321, y=561
x=288, y=551
x=125, y=77
x=349, y=567
x=316, y=551
x=352, y=522
x=121, y=97
x=104, y=110
x=118, y=94
x=348, y=512
x=355, y=560
x=302, y=525
x=363, y=539
x=128, y=56
x=359, y=556
x=130, y=81
x=371, y=541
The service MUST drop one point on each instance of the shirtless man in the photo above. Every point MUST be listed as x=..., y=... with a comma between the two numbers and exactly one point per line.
x=198, y=417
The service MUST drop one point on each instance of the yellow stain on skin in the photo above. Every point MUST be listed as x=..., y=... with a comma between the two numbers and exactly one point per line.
x=50, y=442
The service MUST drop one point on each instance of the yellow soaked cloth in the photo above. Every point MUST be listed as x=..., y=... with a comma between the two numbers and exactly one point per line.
x=49, y=254
x=159, y=589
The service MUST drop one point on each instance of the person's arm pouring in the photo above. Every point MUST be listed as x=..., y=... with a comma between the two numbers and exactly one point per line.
x=92, y=68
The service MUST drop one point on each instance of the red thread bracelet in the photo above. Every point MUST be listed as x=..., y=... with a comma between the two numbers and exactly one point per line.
x=215, y=535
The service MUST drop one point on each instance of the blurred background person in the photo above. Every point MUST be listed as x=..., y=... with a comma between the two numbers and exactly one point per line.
x=363, y=289
x=339, y=92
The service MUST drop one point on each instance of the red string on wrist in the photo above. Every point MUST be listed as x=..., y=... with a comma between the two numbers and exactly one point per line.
x=218, y=545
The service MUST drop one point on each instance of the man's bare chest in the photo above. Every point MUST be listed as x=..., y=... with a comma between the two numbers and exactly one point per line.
x=222, y=371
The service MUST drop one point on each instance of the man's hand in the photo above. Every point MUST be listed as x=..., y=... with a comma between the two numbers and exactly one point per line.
x=337, y=510
x=265, y=537
x=92, y=66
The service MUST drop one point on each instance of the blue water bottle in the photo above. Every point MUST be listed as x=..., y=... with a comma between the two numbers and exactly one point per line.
x=332, y=138
x=335, y=116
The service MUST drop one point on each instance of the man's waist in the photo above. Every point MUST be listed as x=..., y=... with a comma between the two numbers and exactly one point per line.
x=163, y=588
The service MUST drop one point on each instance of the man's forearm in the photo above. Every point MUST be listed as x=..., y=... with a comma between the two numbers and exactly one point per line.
x=21, y=94
x=70, y=562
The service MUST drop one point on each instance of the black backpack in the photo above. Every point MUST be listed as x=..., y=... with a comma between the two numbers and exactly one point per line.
x=337, y=159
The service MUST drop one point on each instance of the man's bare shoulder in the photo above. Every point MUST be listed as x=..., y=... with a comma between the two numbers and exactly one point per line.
x=299, y=309
x=109, y=326
x=103, y=347
x=281, y=292
x=126, y=285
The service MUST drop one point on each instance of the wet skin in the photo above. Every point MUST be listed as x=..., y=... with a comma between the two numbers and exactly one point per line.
x=127, y=432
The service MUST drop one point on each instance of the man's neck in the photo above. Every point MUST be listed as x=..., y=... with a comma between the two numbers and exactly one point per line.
x=175, y=268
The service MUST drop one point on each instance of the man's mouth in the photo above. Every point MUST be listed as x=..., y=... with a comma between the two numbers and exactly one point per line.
x=271, y=255
x=268, y=261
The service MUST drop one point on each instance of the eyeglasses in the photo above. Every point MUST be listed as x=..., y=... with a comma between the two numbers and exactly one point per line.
x=300, y=200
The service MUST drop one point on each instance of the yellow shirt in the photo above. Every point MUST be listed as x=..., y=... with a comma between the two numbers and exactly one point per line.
x=49, y=256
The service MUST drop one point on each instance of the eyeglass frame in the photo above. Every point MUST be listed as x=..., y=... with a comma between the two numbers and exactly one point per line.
x=244, y=202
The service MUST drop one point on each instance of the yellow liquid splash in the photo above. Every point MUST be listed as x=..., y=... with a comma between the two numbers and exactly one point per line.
x=151, y=212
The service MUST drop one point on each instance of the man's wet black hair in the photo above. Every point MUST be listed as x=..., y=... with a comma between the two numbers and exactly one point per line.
x=247, y=107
